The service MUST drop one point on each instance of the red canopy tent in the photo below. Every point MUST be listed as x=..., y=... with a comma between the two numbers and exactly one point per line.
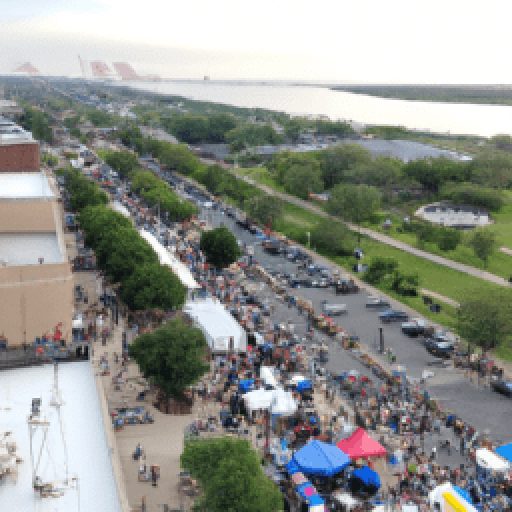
x=361, y=446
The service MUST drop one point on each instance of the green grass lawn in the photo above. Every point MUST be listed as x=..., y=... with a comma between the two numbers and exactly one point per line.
x=296, y=221
x=260, y=175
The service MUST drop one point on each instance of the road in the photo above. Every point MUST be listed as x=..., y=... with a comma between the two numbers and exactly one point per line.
x=478, y=405
x=385, y=239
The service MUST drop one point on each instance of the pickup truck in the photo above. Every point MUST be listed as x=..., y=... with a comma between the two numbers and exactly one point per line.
x=414, y=328
x=333, y=309
x=377, y=302
x=393, y=315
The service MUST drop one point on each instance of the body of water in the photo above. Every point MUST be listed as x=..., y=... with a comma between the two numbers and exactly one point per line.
x=84, y=434
x=453, y=118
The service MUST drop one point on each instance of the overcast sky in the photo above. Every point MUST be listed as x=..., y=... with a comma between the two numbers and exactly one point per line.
x=409, y=41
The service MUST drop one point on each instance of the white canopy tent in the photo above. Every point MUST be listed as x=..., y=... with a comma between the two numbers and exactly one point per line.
x=267, y=376
x=222, y=332
x=167, y=259
x=121, y=208
x=490, y=461
x=278, y=401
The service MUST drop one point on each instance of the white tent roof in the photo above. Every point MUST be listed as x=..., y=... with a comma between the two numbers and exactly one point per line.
x=283, y=403
x=217, y=325
x=121, y=208
x=278, y=401
x=167, y=259
x=267, y=376
x=295, y=379
x=258, y=399
x=489, y=460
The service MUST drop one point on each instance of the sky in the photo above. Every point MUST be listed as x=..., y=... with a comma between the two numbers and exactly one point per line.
x=380, y=41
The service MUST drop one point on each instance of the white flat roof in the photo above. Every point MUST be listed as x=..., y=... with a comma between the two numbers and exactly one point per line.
x=166, y=258
x=217, y=324
x=24, y=185
x=27, y=248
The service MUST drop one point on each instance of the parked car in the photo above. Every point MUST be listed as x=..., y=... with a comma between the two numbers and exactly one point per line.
x=437, y=348
x=502, y=386
x=414, y=328
x=393, y=315
x=333, y=309
x=377, y=303
x=272, y=247
x=345, y=286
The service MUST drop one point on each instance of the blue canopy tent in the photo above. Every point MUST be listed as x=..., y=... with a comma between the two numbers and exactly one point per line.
x=292, y=467
x=505, y=451
x=367, y=476
x=320, y=459
x=246, y=385
x=316, y=501
x=304, y=385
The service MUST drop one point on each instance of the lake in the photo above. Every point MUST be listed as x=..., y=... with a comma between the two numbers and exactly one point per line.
x=84, y=434
x=453, y=118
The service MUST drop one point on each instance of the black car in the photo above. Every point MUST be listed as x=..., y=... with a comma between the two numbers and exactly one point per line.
x=393, y=315
x=502, y=386
x=443, y=349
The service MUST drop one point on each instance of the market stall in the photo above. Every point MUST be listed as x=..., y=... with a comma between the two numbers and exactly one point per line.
x=361, y=446
x=449, y=499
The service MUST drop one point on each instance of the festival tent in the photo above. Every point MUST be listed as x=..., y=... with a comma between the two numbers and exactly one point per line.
x=505, y=451
x=361, y=446
x=258, y=399
x=449, y=499
x=283, y=403
x=490, y=461
x=367, y=476
x=245, y=385
x=319, y=459
x=267, y=376
x=304, y=385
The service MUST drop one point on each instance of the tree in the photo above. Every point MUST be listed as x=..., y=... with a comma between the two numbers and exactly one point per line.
x=448, y=239
x=483, y=243
x=485, y=318
x=153, y=286
x=355, y=203
x=220, y=247
x=251, y=135
x=264, y=209
x=474, y=195
x=336, y=161
x=172, y=357
x=380, y=269
x=333, y=238
x=405, y=284
x=124, y=162
x=229, y=469
x=301, y=179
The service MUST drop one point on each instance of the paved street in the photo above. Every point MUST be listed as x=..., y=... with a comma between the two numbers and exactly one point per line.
x=477, y=405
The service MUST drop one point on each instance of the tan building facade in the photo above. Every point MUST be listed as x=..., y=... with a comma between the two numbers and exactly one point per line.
x=36, y=282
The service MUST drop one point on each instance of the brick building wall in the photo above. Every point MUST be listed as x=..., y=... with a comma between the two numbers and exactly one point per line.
x=19, y=157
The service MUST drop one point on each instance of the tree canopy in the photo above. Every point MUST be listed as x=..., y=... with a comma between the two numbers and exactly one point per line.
x=483, y=242
x=355, y=203
x=333, y=238
x=220, y=247
x=228, y=469
x=172, y=357
x=264, y=209
x=485, y=318
x=124, y=162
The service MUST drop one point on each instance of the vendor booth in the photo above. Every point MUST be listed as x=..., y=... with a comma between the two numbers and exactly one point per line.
x=364, y=481
x=448, y=498
x=268, y=377
x=318, y=459
x=361, y=446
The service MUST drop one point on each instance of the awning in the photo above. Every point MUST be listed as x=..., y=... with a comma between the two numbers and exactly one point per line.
x=361, y=446
x=489, y=460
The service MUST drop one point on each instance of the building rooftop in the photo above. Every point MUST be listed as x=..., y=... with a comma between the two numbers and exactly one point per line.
x=24, y=185
x=27, y=249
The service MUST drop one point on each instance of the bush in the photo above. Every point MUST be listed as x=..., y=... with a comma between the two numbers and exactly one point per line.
x=332, y=238
x=474, y=195
x=379, y=269
x=448, y=239
x=405, y=284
